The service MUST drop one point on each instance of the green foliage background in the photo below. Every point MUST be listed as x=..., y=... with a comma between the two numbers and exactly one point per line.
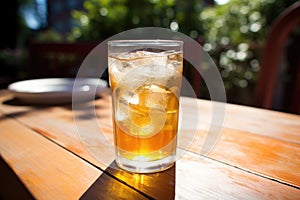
x=233, y=34
x=104, y=18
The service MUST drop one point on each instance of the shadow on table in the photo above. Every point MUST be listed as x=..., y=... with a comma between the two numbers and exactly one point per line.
x=10, y=185
x=115, y=184
x=19, y=102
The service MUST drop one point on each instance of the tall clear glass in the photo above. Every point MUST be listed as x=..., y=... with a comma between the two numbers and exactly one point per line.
x=145, y=78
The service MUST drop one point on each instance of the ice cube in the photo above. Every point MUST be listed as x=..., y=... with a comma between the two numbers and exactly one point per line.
x=150, y=113
x=138, y=116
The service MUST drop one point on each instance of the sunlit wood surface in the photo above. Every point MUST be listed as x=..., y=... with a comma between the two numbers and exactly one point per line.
x=55, y=152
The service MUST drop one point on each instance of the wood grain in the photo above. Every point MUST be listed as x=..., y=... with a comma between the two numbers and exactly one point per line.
x=278, y=125
x=257, y=154
x=261, y=141
x=204, y=178
x=49, y=171
x=10, y=185
x=258, y=150
x=105, y=187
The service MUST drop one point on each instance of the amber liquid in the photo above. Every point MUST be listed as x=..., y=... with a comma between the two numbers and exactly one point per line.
x=145, y=109
x=149, y=133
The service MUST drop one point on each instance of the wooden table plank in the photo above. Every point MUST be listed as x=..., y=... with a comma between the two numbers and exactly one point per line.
x=260, y=154
x=267, y=156
x=105, y=187
x=39, y=163
x=57, y=124
x=10, y=185
x=49, y=171
x=278, y=125
x=271, y=150
x=258, y=148
x=205, y=178
x=225, y=154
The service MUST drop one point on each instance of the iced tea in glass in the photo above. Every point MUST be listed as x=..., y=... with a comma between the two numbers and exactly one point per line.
x=145, y=79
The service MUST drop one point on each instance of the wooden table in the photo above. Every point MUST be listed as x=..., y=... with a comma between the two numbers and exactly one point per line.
x=49, y=153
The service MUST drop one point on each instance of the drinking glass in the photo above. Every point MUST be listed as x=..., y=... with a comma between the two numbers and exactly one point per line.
x=145, y=78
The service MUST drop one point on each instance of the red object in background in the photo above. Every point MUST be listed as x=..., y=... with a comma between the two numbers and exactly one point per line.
x=270, y=74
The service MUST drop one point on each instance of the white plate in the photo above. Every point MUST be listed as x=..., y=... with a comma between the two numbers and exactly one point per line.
x=57, y=90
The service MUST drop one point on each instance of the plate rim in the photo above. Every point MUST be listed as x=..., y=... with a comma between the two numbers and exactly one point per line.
x=58, y=95
x=12, y=87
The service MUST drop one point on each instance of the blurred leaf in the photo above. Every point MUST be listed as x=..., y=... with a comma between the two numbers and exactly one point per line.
x=225, y=28
x=245, y=24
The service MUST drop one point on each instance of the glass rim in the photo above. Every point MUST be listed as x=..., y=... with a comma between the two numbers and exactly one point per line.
x=152, y=42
